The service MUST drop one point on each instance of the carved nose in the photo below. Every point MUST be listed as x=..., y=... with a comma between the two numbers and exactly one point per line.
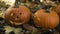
x=16, y=18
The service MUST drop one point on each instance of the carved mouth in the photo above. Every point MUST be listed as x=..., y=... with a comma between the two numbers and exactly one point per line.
x=17, y=23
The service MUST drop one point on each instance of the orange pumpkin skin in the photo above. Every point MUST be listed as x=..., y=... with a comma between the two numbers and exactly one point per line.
x=57, y=9
x=17, y=16
x=46, y=20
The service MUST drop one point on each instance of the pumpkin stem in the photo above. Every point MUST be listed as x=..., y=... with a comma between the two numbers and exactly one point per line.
x=16, y=4
x=47, y=7
x=47, y=11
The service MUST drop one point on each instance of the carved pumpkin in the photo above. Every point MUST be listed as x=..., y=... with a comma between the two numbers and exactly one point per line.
x=17, y=16
x=47, y=20
x=57, y=9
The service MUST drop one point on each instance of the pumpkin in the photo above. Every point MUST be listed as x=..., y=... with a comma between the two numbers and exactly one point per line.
x=18, y=15
x=57, y=9
x=46, y=19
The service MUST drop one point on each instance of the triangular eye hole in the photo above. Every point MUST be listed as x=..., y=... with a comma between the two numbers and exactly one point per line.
x=12, y=14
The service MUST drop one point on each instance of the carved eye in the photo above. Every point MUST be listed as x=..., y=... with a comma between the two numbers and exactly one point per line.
x=12, y=14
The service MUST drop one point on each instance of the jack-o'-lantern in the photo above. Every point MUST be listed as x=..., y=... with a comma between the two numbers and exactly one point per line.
x=46, y=19
x=17, y=15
